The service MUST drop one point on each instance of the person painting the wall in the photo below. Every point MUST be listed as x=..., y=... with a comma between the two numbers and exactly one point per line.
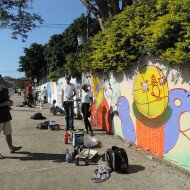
x=86, y=100
x=68, y=92
x=5, y=117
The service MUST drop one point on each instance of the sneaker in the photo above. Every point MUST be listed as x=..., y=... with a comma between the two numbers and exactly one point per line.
x=15, y=148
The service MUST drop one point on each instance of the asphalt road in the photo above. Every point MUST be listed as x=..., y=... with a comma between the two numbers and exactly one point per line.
x=40, y=164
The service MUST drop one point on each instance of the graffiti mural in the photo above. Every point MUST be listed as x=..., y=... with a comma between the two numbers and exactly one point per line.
x=150, y=91
x=126, y=121
x=147, y=109
x=180, y=103
x=97, y=90
x=151, y=116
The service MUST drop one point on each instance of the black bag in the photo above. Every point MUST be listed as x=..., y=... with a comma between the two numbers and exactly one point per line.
x=38, y=115
x=117, y=159
x=43, y=125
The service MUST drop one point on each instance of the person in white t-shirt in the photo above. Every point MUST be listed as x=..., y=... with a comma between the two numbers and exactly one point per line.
x=68, y=92
x=86, y=100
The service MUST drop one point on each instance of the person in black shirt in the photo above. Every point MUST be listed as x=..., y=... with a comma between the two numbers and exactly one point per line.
x=5, y=117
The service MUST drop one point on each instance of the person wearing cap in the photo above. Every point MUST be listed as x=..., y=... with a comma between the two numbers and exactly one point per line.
x=86, y=100
x=5, y=117
x=68, y=92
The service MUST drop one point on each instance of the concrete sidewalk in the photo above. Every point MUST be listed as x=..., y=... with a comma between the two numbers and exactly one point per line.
x=40, y=163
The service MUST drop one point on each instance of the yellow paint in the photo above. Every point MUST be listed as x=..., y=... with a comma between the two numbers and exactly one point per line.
x=97, y=90
x=150, y=91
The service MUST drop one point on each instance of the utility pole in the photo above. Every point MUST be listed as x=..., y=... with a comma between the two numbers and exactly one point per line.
x=87, y=15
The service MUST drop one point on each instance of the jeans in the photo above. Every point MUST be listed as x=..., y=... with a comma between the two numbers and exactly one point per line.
x=69, y=112
x=86, y=114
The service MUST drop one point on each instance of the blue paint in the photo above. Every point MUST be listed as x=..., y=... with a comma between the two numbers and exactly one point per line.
x=97, y=87
x=126, y=121
x=49, y=90
x=172, y=128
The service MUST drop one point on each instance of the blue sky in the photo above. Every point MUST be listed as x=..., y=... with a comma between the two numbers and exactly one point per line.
x=53, y=12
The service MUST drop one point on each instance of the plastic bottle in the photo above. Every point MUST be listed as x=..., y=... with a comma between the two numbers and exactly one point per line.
x=67, y=157
x=66, y=138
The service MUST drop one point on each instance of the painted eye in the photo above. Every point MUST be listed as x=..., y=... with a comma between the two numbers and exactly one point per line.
x=145, y=86
x=177, y=102
x=162, y=81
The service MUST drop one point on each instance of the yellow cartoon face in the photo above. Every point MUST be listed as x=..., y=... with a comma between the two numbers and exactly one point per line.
x=150, y=91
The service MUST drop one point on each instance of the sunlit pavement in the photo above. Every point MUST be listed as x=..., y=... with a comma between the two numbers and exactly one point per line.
x=41, y=162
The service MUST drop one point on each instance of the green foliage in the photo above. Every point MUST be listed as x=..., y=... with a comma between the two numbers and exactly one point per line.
x=72, y=66
x=148, y=27
x=17, y=16
x=55, y=52
x=53, y=76
x=63, y=44
x=33, y=62
x=169, y=35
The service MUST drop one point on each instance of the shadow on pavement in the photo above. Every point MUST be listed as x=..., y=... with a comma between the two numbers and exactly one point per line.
x=39, y=156
x=135, y=168
x=59, y=158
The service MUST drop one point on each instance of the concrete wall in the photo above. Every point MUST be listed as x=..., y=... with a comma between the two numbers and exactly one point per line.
x=149, y=107
x=54, y=90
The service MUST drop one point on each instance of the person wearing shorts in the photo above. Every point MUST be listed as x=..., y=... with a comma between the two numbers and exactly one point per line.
x=5, y=117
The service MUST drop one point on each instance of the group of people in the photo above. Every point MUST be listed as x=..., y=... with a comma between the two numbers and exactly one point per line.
x=68, y=93
x=32, y=95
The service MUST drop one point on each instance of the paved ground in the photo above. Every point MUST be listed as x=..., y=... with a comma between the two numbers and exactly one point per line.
x=40, y=164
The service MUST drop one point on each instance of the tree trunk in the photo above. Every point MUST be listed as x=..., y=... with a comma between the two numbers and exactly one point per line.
x=126, y=3
x=115, y=6
x=105, y=8
x=101, y=13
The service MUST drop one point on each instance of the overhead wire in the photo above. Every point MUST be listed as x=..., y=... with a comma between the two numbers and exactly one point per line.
x=53, y=25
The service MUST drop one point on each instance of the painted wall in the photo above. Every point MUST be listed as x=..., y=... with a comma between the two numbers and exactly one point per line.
x=54, y=91
x=149, y=107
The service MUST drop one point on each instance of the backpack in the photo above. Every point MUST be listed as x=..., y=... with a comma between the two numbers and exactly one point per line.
x=117, y=159
x=38, y=115
x=43, y=125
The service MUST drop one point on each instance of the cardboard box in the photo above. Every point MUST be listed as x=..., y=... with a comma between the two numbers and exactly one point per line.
x=78, y=139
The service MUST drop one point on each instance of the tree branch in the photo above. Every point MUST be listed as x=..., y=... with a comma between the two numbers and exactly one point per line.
x=92, y=8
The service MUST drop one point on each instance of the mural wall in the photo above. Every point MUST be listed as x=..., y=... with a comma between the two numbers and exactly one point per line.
x=148, y=109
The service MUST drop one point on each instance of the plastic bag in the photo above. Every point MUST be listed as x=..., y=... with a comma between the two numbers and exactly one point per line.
x=89, y=141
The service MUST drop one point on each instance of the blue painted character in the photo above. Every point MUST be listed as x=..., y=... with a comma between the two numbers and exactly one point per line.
x=126, y=121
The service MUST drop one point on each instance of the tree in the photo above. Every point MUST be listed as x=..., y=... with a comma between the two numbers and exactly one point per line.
x=59, y=46
x=104, y=9
x=55, y=52
x=15, y=15
x=148, y=28
x=33, y=61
